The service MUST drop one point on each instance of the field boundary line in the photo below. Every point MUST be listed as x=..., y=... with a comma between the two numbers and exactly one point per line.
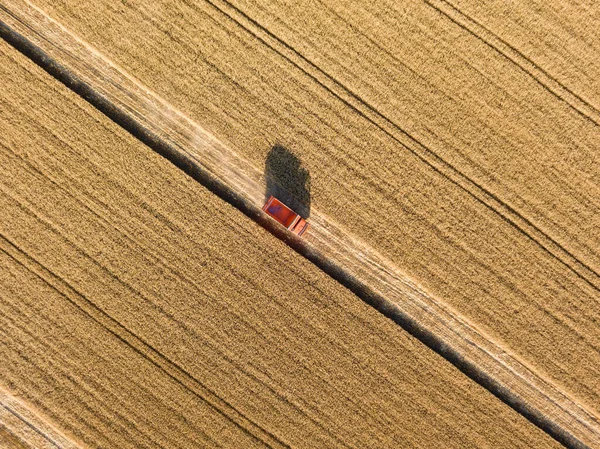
x=359, y=105
x=371, y=276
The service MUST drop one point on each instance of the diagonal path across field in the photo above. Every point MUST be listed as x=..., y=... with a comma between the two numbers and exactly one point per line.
x=330, y=246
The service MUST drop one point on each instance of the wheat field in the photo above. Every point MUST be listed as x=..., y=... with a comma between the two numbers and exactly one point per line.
x=457, y=141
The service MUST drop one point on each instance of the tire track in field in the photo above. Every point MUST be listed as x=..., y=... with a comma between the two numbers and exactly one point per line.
x=482, y=195
x=31, y=354
x=527, y=65
x=338, y=253
x=22, y=423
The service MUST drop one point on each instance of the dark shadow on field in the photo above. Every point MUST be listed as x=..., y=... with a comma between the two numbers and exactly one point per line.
x=287, y=180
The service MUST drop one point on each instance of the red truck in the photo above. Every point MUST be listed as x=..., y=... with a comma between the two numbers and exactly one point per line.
x=286, y=216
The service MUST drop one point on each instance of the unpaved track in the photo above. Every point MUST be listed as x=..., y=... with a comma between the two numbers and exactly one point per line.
x=403, y=300
x=22, y=427
x=139, y=310
x=462, y=169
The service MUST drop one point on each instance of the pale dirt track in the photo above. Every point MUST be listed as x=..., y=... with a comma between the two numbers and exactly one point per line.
x=139, y=310
x=470, y=168
x=22, y=427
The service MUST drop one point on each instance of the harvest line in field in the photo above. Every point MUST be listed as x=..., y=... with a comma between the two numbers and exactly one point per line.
x=374, y=278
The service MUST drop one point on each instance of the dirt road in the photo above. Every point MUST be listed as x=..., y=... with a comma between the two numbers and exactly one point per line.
x=22, y=427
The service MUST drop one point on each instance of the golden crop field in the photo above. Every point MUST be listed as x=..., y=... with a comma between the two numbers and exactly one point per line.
x=156, y=314
x=446, y=154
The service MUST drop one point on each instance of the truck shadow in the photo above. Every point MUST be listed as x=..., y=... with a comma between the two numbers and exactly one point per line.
x=287, y=180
